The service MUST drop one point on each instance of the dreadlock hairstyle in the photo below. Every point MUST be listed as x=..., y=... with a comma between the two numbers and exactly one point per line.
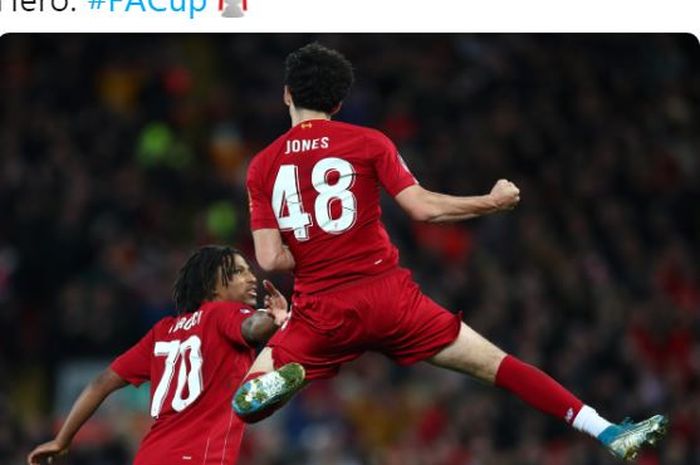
x=318, y=78
x=196, y=280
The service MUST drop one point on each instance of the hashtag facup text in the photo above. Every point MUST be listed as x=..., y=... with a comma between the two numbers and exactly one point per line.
x=190, y=7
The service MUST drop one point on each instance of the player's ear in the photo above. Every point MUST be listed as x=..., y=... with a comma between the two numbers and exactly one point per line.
x=287, y=97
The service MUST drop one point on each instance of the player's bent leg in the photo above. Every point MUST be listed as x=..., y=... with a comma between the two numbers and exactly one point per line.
x=262, y=364
x=472, y=354
x=264, y=390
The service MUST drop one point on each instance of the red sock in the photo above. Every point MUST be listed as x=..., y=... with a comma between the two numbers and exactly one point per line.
x=537, y=389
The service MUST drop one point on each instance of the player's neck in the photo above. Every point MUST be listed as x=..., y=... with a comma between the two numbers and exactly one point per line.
x=300, y=115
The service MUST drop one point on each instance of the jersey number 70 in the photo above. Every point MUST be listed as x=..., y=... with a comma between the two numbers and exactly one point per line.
x=286, y=193
x=172, y=351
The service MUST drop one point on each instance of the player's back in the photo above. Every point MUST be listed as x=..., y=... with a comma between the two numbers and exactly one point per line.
x=194, y=363
x=320, y=185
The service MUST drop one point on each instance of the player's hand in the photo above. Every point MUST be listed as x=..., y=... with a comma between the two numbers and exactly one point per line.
x=275, y=303
x=505, y=194
x=46, y=453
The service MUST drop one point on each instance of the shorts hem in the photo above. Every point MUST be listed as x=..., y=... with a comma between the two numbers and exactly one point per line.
x=425, y=356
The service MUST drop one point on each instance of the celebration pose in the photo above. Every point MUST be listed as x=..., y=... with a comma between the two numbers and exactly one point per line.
x=194, y=361
x=314, y=204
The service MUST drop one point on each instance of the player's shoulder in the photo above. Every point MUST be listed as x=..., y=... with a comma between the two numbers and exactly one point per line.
x=227, y=308
x=371, y=135
x=263, y=162
x=270, y=149
x=358, y=129
x=164, y=324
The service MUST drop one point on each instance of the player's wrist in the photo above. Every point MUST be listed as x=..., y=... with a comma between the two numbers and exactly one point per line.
x=494, y=202
x=62, y=443
x=280, y=318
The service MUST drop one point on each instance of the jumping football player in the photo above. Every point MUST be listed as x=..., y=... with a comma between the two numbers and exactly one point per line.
x=314, y=201
x=194, y=362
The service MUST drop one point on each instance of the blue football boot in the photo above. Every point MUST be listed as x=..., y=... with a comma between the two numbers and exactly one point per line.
x=625, y=440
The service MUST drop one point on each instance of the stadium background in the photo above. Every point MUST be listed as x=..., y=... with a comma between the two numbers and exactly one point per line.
x=121, y=153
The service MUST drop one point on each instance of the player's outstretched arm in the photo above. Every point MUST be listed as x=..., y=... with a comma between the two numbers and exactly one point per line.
x=92, y=396
x=260, y=326
x=432, y=207
x=270, y=251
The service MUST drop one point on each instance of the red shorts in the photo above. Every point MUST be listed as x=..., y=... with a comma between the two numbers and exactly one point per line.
x=387, y=314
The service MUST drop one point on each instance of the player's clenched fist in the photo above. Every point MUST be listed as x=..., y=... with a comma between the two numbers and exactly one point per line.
x=505, y=194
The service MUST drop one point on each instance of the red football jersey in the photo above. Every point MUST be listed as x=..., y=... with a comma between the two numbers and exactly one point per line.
x=319, y=185
x=194, y=362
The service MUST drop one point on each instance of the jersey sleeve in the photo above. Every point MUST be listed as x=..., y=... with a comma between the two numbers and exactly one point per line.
x=230, y=318
x=259, y=204
x=134, y=365
x=392, y=171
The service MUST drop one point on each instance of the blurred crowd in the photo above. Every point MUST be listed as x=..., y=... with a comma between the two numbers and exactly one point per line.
x=119, y=154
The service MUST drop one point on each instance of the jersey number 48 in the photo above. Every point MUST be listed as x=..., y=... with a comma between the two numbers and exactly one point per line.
x=289, y=208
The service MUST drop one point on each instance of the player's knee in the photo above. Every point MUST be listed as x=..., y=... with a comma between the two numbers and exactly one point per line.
x=471, y=354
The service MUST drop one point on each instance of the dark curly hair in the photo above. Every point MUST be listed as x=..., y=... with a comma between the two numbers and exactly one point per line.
x=318, y=78
x=196, y=280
